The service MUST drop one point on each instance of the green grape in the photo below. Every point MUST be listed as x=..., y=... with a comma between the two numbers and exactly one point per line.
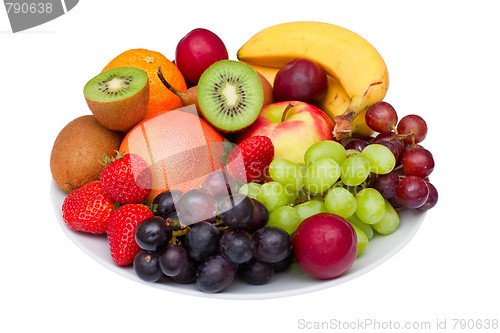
x=318, y=196
x=367, y=229
x=350, y=152
x=291, y=196
x=370, y=205
x=362, y=240
x=341, y=202
x=321, y=175
x=310, y=208
x=284, y=217
x=381, y=159
x=303, y=168
x=325, y=149
x=250, y=190
x=390, y=221
x=287, y=173
x=272, y=195
x=355, y=170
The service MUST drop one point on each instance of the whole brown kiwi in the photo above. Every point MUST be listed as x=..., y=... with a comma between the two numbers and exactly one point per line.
x=77, y=152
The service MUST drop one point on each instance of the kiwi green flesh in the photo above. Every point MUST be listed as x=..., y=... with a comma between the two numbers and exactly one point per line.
x=230, y=95
x=116, y=84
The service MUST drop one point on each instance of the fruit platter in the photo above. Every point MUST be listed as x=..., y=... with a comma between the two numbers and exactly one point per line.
x=278, y=172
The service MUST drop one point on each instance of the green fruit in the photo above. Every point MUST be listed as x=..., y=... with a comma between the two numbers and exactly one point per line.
x=118, y=97
x=230, y=95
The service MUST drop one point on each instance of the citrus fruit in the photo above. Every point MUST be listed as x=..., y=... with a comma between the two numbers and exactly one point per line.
x=180, y=148
x=160, y=98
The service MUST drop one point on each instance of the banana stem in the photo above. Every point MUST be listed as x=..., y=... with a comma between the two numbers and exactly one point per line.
x=343, y=122
x=360, y=103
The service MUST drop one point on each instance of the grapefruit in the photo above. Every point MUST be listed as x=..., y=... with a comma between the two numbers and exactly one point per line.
x=180, y=148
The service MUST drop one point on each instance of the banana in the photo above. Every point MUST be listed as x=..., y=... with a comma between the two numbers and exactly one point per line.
x=268, y=72
x=344, y=55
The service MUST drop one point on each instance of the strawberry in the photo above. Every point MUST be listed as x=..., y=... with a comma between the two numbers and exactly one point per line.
x=121, y=232
x=88, y=208
x=249, y=161
x=126, y=178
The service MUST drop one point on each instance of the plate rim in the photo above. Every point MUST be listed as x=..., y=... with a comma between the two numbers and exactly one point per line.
x=316, y=285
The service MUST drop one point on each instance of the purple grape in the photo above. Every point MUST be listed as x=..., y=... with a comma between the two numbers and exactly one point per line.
x=260, y=217
x=215, y=274
x=386, y=184
x=153, y=234
x=236, y=246
x=166, y=202
x=418, y=162
x=396, y=204
x=392, y=138
x=412, y=191
x=147, y=266
x=432, y=199
x=256, y=272
x=237, y=211
x=381, y=117
x=283, y=265
x=173, y=259
x=196, y=206
x=413, y=128
x=219, y=184
x=356, y=144
x=202, y=240
x=271, y=244
x=188, y=273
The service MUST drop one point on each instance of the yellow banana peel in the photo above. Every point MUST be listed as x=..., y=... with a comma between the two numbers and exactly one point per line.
x=346, y=57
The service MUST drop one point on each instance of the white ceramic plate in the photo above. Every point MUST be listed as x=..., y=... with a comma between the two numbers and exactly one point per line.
x=292, y=282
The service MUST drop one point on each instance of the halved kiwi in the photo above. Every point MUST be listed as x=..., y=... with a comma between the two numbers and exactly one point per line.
x=118, y=97
x=230, y=95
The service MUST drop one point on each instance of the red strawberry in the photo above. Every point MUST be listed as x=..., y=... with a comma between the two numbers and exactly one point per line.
x=88, y=208
x=249, y=161
x=127, y=178
x=121, y=232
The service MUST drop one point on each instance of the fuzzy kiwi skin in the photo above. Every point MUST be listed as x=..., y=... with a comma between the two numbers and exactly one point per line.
x=121, y=115
x=78, y=150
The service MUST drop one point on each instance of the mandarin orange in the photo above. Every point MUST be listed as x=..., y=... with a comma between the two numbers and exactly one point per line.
x=180, y=148
x=160, y=98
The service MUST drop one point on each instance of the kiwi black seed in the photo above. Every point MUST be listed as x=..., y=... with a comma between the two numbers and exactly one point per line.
x=118, y=97
x=230, y=95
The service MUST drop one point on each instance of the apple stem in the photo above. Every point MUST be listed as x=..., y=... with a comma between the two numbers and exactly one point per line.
x=168, y=85
x=288, y=107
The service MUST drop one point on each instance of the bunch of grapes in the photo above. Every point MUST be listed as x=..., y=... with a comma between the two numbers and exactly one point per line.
x=414, y=163
x=367, y=181
x=208, y=236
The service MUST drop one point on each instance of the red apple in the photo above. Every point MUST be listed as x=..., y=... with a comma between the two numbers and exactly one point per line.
x=325, y=245
x=292, y=127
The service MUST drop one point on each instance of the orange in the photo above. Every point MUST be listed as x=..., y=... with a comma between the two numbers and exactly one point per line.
x=160, y=98
x=180, y=148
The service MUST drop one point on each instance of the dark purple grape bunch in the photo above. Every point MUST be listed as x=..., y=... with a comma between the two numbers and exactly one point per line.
x=219, y=234
x=408, y=185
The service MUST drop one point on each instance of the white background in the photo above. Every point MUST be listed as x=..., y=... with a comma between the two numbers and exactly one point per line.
x=443, y=61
